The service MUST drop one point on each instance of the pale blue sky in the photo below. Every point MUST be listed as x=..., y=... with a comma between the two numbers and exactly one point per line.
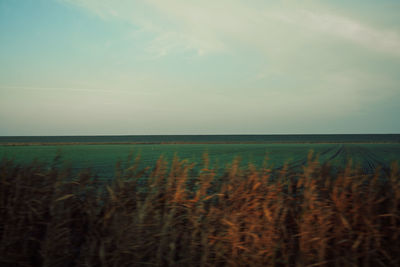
x=83, y=67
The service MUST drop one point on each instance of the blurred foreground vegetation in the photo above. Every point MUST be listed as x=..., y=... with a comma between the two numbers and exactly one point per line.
x=170, y=215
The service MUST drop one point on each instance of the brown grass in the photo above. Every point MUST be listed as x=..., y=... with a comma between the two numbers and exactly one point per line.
x=170, y=215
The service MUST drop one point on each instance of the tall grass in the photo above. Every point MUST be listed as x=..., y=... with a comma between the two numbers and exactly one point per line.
x=171, y=215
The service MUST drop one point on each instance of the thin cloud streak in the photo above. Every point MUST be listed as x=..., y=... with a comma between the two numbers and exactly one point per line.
x=63, y=89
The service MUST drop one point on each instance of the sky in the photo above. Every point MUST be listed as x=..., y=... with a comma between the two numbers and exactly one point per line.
x=98, y=67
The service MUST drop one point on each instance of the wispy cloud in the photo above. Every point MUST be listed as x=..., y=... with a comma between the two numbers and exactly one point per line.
x=355, y=31
x=214, y=26
x=297, y=40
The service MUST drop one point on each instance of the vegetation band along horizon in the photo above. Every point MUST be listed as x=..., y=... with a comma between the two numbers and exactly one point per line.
x=164, y=215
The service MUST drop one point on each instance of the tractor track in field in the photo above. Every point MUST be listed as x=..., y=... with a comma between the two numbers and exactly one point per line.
x=361, y=157
x=341, y=155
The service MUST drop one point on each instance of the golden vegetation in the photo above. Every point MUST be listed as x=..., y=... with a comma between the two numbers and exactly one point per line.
x=172, y=215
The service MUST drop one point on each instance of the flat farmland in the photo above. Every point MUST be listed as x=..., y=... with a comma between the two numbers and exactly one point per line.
x=102, y=159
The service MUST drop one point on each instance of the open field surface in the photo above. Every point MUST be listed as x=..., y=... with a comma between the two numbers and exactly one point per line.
x=103, y=158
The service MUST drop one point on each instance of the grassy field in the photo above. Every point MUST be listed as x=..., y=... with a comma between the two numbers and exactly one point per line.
x=162, y=216
x=103, y=158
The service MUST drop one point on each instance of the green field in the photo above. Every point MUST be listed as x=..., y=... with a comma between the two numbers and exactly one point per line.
x=103, y=158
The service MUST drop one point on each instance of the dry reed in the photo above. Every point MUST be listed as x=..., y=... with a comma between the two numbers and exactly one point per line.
x=172, y=215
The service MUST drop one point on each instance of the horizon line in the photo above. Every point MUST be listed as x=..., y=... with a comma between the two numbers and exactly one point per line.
x=213, y=134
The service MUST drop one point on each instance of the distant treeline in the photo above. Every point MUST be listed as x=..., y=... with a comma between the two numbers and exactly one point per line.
x=203, y=139
x=162, y=216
